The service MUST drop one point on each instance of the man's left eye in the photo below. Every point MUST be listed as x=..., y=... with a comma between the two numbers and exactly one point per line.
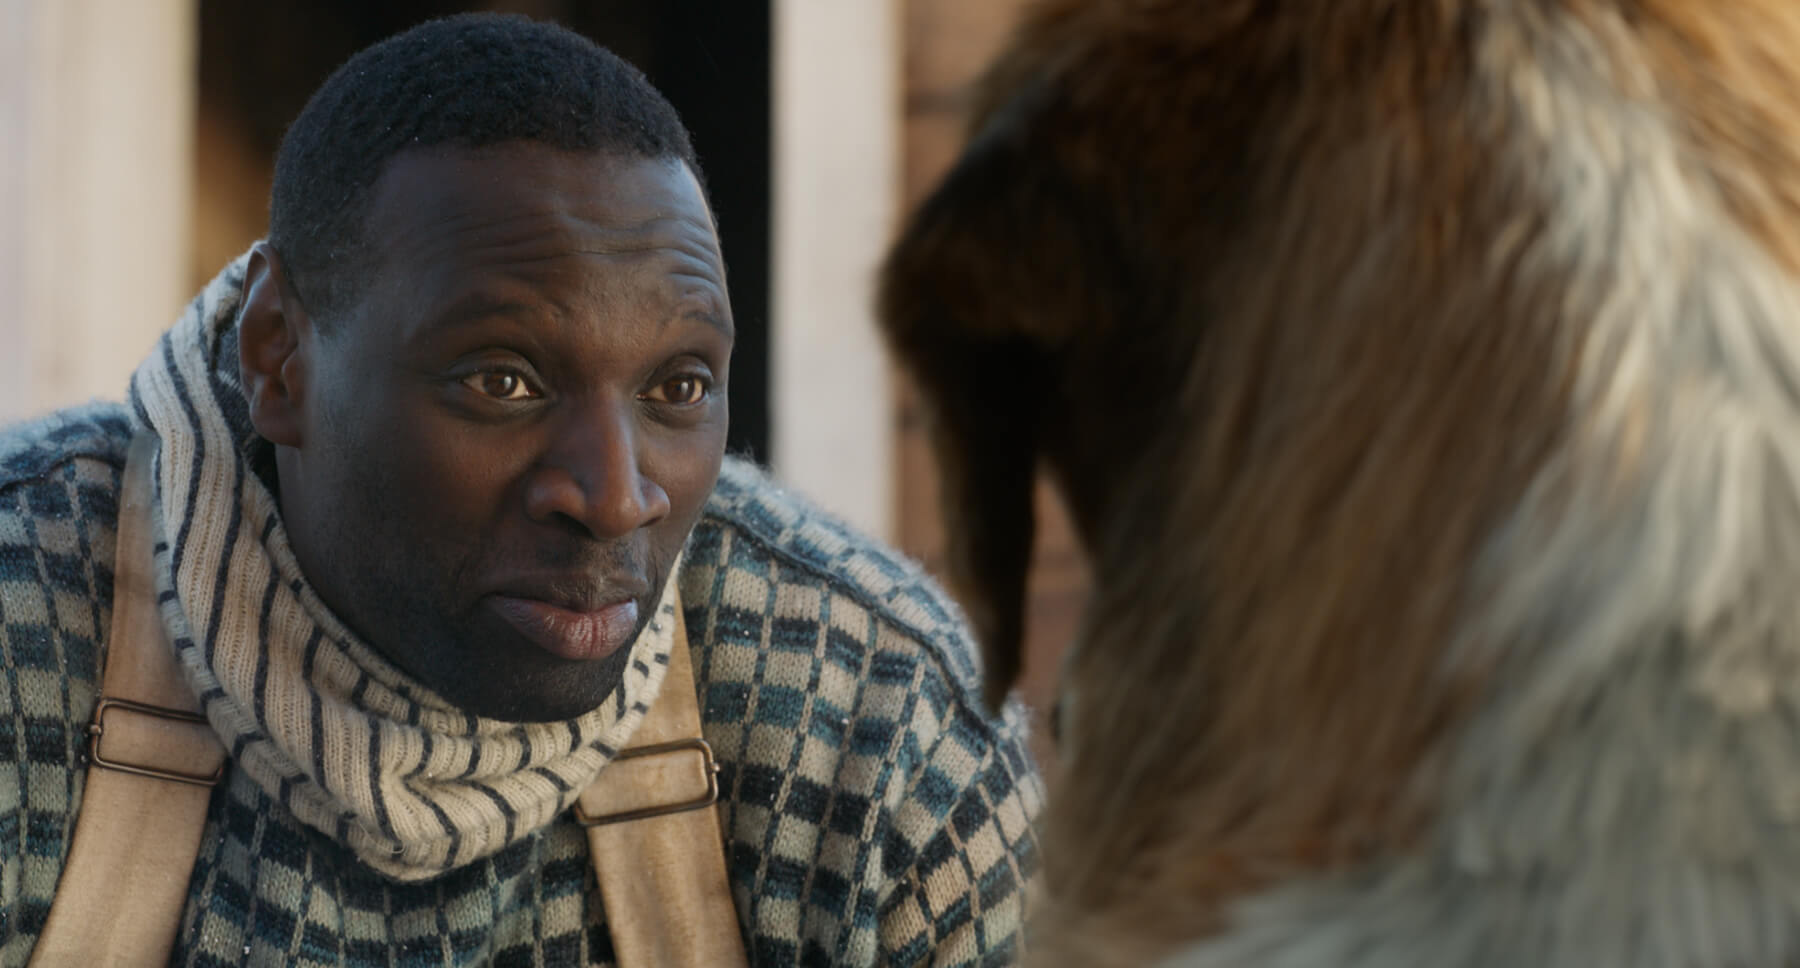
x=500, y=385
x=682, y=391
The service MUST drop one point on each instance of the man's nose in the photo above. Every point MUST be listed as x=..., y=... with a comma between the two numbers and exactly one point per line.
x=592, y=475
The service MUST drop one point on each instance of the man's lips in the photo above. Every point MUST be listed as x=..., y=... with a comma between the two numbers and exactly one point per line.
x=581, y=635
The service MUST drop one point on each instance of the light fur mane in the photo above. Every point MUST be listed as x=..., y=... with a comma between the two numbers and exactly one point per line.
x=1627, y=790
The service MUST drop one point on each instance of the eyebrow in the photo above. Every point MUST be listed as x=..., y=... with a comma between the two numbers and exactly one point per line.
x=714, y=320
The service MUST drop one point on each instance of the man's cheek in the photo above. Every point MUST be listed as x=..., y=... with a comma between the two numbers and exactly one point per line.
x=470, y=487
x=687, y=467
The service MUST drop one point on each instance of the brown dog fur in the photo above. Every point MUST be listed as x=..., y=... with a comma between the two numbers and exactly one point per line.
x=1246, y=277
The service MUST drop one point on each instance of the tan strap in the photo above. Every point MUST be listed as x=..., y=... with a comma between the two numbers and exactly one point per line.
x=655, y=839
x=152, y=763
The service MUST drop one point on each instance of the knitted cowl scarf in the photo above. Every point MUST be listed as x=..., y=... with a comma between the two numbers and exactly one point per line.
x=349, y=743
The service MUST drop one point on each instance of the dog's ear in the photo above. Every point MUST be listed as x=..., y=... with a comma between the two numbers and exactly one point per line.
x=982, y=424
x=963, y=309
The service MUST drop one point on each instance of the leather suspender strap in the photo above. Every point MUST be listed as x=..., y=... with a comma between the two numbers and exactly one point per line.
x=655, y=839
x=153, y=761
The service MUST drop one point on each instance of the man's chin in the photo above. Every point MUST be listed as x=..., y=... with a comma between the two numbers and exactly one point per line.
x=542, y=688
x=504, y=675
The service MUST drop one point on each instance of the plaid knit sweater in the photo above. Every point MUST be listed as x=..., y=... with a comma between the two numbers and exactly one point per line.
x=873, y=813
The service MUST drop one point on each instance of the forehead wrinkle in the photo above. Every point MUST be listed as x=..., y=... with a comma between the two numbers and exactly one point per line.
x=453, y=207
x=672, y=235
x=557, y=233
x=691, y=282
x=533, y=240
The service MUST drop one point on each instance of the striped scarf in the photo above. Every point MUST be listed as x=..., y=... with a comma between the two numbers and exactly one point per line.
x=349, y=743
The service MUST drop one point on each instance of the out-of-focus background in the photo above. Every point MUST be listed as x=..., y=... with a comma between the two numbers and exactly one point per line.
x=137, y=139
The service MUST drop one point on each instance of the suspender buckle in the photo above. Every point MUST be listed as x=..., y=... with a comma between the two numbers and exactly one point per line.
x=708, y=766
x=97, y=730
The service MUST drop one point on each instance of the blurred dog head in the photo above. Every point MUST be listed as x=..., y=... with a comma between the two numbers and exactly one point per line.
x=1424, y=382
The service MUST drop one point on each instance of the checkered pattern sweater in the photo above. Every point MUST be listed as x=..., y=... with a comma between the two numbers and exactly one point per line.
x=873, y=813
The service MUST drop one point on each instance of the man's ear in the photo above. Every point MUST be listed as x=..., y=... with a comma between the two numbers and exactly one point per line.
x=273, y=349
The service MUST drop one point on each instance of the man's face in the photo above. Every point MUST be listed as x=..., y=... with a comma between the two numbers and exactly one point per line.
x=506, y=441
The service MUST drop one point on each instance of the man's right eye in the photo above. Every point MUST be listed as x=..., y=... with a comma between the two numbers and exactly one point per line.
x=500, y=385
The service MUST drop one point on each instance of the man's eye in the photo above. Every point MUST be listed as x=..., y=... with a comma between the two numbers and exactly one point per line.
x=682, y=391
x=500, y=385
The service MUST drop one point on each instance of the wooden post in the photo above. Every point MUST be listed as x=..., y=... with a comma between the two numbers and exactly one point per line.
x=837, y=181
x=96, y=131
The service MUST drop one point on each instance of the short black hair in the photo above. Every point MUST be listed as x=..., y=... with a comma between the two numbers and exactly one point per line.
x=470, y=80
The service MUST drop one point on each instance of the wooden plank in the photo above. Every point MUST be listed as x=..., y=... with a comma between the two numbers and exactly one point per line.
x=96, y=107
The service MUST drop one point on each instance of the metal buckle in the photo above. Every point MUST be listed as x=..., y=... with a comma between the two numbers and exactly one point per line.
x=707, y=799
x=96, y=729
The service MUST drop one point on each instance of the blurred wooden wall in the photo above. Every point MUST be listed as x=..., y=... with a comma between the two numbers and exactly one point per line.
x=96, y=108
